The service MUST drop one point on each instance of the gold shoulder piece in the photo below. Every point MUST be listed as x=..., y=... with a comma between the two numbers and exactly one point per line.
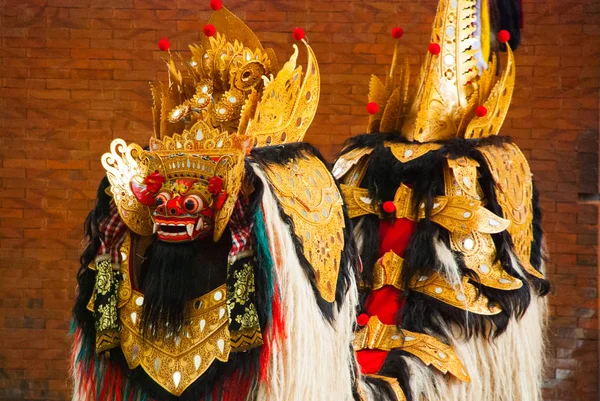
x=514, y=192
x=406, y=152
x=465, y=296
x=434, y=353
x=308, y=194
x=431, y=351
x=358, y=201
x=348, y=160
x=122, y=164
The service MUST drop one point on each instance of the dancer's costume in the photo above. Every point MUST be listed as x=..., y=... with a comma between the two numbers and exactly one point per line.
x=447, y=221
x=219, y=266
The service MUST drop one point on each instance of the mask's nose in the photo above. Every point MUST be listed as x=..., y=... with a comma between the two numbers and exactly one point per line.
x=174, y=206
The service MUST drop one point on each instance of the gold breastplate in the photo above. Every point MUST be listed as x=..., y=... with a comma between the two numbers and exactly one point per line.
x=174, y=362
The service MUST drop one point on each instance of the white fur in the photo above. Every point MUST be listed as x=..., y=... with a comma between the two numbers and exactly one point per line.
x=314, y=361
x=508, y=368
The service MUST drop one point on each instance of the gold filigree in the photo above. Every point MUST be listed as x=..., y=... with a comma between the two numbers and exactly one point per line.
x=464, y=296
x=348, y=160
x=358, y=201
x=207, y=120
x=432, y=352
x=452, y=84
x=122, y=164
x=497, y=103
x=464, y=172
x=388, y=271
x=174, y=362
x=406, y=152
x=514, y=192
x=288, y=105
x=308, y=194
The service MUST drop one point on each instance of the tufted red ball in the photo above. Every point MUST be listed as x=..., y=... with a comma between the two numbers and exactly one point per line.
x=389, y=207
x=216, y=5
x=503, y=36
x=210, y=30
x=298, y=33
x=362, y=319
x=434, y=49
x=163, y=44
x=481, y=111
x=397, y=32
x=372, y=108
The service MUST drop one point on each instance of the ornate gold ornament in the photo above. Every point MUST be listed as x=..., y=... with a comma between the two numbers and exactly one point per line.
x=358, y=201
x=431, y=351
x=514, y=192
x=394, y=385
x=348, y=161
x=451, y=86
x=309, y=196
x=174, y=362
x=464, y=295
x=232, y=97
x=406, y=152
x=388, y=271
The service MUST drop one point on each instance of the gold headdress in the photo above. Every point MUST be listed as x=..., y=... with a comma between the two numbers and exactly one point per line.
x=232, y=97
x=459, y=94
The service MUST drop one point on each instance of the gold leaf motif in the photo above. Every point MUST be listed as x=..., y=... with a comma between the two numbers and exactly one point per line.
x=308, y=194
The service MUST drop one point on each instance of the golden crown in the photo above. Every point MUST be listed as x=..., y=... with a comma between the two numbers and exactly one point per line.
x=459, y=93
x=232, y=96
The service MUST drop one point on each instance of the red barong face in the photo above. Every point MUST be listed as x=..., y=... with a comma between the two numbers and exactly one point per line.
x=182, y=209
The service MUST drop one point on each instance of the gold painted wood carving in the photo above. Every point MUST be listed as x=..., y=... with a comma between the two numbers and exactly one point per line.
x=376, y=335
x=464, y=296
x=358, y=201
x=388, y=271
x=406, y=152
x=309, y=196
x=348, y=160
x=514, y=192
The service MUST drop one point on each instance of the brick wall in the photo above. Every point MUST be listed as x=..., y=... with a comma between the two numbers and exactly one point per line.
x=74, y=75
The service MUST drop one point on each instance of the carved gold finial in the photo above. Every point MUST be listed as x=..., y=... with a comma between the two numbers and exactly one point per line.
x=456, y=82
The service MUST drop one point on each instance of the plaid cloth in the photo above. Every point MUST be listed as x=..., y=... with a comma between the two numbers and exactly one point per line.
x=241, y=229
x=112, y=234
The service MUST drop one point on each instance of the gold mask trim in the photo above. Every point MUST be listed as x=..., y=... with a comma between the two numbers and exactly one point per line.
x=309, y=196
x=431, y=351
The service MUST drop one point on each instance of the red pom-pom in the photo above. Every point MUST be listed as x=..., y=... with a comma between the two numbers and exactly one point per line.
x=397, y=32
x=372, y=108
x=362, y=319
x=481, y=111
x=163, y=44
x=503, y=36
x=216, y=5
x=298, y=33
x=389, y=207
x=434, y=49
x=210, y=30
x=215, y=185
